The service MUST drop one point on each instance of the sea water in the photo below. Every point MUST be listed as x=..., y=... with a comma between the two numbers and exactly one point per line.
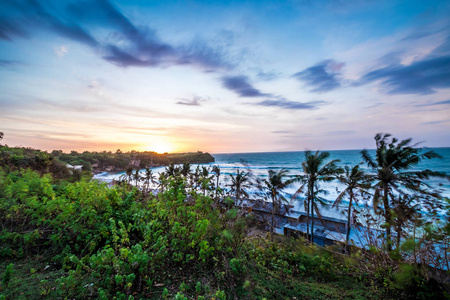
x=259, y=164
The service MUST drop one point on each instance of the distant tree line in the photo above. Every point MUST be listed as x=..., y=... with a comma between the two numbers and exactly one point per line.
x=55, y=162
x=120, y=161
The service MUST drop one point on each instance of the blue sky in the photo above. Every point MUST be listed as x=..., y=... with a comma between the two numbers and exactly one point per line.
x=223, y=76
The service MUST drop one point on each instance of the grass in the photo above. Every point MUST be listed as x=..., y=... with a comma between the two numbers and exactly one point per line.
x=273, y=285
x=32, y=278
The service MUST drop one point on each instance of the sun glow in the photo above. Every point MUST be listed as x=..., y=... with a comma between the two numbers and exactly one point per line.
x=161, y=147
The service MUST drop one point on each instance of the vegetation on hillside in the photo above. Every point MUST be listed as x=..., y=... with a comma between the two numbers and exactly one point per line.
x=85, y=240
x=15, y=158
x=120, y=161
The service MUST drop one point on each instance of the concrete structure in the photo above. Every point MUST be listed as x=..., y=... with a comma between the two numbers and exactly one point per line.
x=330, y=228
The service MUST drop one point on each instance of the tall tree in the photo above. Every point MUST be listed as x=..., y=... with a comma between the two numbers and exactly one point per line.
x=216, y=171
x=185, y=169
x=205, y=179
x=275, y=184
x=239, y=184
x=315, y=170
x=172, y=170
x=149, y=177
x=355, y=180
x=136, y=177
x=392, y=164
x=129, y=172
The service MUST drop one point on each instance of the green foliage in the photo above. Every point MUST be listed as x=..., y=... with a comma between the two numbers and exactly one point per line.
x=7, y=275
x=118, y=243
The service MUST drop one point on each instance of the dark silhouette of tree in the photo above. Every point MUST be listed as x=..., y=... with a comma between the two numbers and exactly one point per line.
x=205, y=179
x=136, y=177
x=216, y=171
x=149, y=178
x=274, y=185
x=129, y=172
x=172, y=170
x=405, y=213
x=315, y=170
x=163, y=181
x=355, y=180
x=392, y=164
x=239, y=184
x=185, y=170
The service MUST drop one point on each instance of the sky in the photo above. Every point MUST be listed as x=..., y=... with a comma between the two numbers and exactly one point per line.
x=223, y=76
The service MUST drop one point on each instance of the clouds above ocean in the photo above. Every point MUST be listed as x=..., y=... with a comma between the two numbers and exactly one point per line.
x=241, y=86
x=286, y=104
x=122, y=42
x=423, y=77
x=237, y=75
x=194, y=101
x=322, y=77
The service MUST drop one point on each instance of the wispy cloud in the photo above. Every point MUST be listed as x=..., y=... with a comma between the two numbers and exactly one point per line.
x=61, y=51
x=433, y=122
x=195, y=101
x=241, y=85
x=282, y=131
x=125, y=45
x=340, y=132
x=422, y=76
x=286, y=104
x=445, y=102
x=8, y=63
x=267, y=76
x=323, y=77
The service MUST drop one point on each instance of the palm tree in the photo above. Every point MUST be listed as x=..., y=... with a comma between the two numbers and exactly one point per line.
x=172, y=170
x=406, y=213
x=205, y=179
x=239, y=184
x=392, y=161
x=185, y=169
x=315, y=170
x=275, y=184
x=137, y=177
x=355, y=180
x=216, y=171
x=129, y=172
x=163, y=181
x=148, y=177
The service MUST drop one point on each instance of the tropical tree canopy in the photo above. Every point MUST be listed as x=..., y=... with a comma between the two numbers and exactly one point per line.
x=393, y=176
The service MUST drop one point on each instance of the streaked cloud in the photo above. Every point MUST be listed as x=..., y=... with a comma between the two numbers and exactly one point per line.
x=61, y=51
x=286, y=104
x=323, y=77
x=241, y=86
x=422, y=76
x=5, y=63
x=124, y=43
x=195, y=101
x=445, y=102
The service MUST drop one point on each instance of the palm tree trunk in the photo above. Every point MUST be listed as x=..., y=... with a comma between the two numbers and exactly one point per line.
x=399, y=234
x=388, y=217
x=217, y=186
x=349, y=216
x=312, y=214
x=307, y=215
x=273, y=214
x=414, y=239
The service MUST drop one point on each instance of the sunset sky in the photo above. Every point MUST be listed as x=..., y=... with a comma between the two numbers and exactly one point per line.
x=223, y=76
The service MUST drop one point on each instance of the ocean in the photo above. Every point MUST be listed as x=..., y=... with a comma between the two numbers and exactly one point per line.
x=260, y=163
